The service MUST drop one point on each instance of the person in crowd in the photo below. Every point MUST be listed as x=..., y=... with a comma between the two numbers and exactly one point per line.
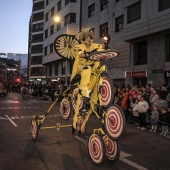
x=164, y=116
x=161, y=103
x=134, y=92
x=135, y=111
x=124, y=104
x=130, y=102
x=154, y=118
x=163, y=92
x=117, y=100
x=154, y=97
x=142, y=108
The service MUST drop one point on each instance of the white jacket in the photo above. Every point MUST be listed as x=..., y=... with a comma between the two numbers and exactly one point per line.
x=142, y=107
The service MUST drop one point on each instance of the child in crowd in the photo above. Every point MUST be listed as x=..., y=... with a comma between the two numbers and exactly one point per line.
x=135, y=111
x=117, y=100
x=164, y=121
x=154, y=118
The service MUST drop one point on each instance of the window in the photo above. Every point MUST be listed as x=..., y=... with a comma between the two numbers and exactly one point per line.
x=45, y=51
x=168, y=48
x=68, y=1
x=59, y=6
x=117, y=0
x=91, y=10
x=70, y=19
x=141, y=53
x=52, y=29
x=63, y=67
x=163, y=5
x=119, y=23
x=37, y=59
x=38, y=26
x=46, y=34
x=103, y=29
x=46, y=17
x=134, y=12
x=51, y=48
x=47, y=2
x=50, y=69
x=37, y=70
x=103, y=4
x=52, y=12
x=58, y=26
x=56, y=68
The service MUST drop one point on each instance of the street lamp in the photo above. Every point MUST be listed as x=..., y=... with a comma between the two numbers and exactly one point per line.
x=106, y=38
x=57, y=19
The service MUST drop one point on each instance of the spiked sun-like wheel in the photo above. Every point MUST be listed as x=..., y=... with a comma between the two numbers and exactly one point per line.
x=64, y=46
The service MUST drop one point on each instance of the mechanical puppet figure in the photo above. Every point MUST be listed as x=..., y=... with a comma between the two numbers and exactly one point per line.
x=86, y=68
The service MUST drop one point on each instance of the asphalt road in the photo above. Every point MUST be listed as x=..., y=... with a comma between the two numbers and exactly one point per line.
x=60, y=150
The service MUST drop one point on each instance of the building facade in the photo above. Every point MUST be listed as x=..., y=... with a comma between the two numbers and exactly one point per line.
x=37, y=71
x=69, y=13
x=140, y=31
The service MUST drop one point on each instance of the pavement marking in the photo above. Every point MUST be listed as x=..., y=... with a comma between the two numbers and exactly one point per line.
x=82, y=140
x=123, y=156
x=11, y=121
x=16, y=108
x=10, y=101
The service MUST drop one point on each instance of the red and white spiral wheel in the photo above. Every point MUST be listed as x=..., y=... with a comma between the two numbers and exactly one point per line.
x=97, y=149
x=65, y=109
x=80, y=120
x=114, y=122
x=74, y=99
x=112, y=149
x=106, y=92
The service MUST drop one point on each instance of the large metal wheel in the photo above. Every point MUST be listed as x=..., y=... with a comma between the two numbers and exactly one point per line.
x=80, y=120
x=65, y=108
x=64, y=46
x=106, y=92
x=112, y=149
x=74, y=99
x=114, y=122
x=34, y=128
x=97, y=149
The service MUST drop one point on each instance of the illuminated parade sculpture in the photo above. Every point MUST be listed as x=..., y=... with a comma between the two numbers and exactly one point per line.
x=94, y=90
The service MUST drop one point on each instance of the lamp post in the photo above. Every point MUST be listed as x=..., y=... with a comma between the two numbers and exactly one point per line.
x=57, y=19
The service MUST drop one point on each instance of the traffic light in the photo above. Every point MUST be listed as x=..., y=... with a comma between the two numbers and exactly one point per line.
x=18, y=80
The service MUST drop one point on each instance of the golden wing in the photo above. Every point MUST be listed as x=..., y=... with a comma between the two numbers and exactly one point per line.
x=65, y=46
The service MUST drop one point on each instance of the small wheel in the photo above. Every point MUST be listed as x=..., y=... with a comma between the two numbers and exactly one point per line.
x=114, y=122
x=74, y=99
x=80, y=120
x=97, y=149
x=34, y=129
x=106, y=92
x=65, y=109
x=112, y=149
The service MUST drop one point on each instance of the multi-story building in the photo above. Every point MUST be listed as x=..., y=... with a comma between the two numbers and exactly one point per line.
x=140, y=31
x=37, y=72
x=69, y=12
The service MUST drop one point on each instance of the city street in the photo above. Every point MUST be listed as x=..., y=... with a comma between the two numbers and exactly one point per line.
x=60, y=150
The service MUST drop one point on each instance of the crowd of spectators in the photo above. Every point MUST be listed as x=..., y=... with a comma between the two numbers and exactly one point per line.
x=147, y=107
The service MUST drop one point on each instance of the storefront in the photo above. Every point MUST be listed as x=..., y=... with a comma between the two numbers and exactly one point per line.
x=139, y=77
